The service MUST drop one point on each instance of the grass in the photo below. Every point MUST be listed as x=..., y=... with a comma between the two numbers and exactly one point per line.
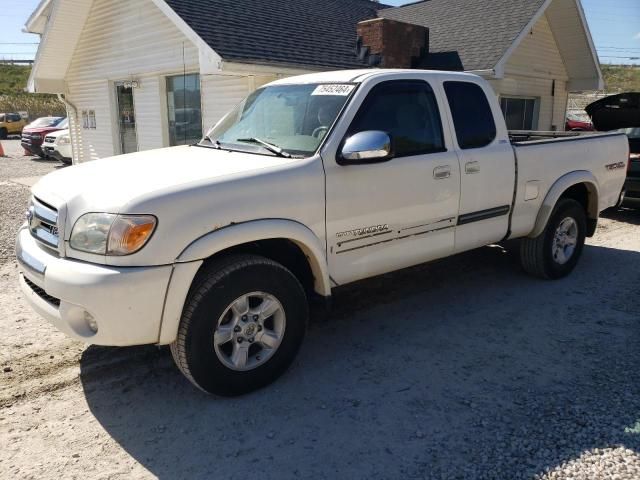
x=621, y=78
x=13, y=81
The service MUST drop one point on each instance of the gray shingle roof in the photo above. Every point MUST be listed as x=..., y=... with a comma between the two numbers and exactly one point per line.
x=472, y=34
x=464, y=34
x=319, y=33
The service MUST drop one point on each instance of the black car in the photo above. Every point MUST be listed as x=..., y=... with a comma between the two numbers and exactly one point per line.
x=622, y=112
x=632, y=185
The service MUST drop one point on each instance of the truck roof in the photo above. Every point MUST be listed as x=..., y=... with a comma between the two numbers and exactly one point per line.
x=359, y=76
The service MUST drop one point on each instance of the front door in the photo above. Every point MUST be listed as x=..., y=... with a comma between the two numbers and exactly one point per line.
x=385, y=216
x=126, y=119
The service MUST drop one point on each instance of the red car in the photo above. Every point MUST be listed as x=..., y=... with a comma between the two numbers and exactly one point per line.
x=577, y=122
x=34, y=133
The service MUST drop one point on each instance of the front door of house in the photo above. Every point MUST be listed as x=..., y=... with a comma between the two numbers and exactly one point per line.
x=126, y=119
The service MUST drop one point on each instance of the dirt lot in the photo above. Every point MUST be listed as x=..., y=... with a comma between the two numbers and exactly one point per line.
x=464, y=368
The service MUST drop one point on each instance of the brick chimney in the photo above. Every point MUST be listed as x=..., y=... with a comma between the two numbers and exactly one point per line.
x=391, y=44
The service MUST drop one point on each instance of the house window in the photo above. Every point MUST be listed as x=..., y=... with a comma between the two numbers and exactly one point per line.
x=520, y=113
x=183, y=102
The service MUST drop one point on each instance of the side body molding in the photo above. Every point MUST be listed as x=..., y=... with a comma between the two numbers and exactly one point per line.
x=267, y=229
x=557, y=189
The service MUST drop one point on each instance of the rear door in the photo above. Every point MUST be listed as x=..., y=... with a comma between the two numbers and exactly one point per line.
x=386, y=216
x=487, y=166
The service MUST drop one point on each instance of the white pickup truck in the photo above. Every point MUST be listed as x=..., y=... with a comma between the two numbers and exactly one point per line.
x=310, y=183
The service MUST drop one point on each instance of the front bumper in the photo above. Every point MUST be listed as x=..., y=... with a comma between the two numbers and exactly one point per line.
x=51, y=152
x=126, y=304
x=32, y=148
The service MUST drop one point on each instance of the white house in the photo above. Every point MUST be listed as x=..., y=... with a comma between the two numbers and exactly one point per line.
x=144, y=74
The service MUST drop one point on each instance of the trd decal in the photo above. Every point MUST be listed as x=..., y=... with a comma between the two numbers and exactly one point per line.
x=615, y=166
x=360, y=232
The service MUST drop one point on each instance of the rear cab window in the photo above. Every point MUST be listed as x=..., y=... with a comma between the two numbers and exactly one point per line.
x=472, y=116
x=408, y=112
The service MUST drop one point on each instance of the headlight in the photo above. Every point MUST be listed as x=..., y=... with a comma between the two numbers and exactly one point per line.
x=109, y=234
x=64, y=140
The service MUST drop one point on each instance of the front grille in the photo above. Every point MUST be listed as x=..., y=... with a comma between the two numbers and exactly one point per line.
x=42, y=294
x=43, y=223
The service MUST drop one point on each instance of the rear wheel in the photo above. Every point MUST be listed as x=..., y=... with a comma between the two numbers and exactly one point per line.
x=555, y=252
x=242, y=325
x=3, y=133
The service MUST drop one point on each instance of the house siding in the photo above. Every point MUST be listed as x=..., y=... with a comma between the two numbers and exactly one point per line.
x=125, y=40
x=221, y=93
x=531, y=71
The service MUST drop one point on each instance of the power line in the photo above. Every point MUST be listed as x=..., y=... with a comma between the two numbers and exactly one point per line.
x=626, y=58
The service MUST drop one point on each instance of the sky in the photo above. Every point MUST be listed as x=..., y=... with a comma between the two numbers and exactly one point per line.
x=614, y=25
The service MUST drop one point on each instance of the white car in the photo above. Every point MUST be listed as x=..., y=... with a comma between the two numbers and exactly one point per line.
x=57, y=145
x=311, y=183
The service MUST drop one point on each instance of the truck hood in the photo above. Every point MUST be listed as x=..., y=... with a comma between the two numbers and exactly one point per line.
x=58, y=133
x=615, y=112
x=111, y=184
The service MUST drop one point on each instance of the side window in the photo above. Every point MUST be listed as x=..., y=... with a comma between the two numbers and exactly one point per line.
x=472, y=116
x=408, y=112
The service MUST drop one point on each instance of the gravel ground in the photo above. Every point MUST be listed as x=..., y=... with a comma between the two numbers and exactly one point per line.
x=462, y=369
x=14, y=197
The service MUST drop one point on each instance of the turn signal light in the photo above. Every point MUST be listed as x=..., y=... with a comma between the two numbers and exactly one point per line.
x=130, y=233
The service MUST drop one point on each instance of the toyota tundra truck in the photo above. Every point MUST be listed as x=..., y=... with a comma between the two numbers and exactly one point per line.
x=218, y=249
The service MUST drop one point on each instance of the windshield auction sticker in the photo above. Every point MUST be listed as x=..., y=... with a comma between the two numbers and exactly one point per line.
x=334, y=89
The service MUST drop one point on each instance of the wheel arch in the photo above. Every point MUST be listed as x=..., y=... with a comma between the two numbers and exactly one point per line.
x=285, y=241
x=581, y=186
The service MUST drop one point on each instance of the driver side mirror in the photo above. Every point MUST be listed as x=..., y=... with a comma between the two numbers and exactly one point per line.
x=365, y=147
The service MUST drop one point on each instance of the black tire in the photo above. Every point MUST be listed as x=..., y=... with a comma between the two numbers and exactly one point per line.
x=66, y=161
x=215, y=288
x=3, y=134
x=536, y=254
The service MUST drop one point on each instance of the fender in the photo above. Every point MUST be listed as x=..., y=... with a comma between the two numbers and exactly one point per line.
x=555, y=192
x=189, y=261
x=239, y=233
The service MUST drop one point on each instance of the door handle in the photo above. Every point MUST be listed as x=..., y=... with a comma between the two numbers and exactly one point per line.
x=472, y=167
x=440, y=173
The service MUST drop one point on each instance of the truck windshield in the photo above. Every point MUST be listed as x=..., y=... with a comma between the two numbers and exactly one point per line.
x=293, y=118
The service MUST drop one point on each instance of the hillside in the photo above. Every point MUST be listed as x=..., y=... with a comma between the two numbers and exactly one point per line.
x=13, y=81
x=621, y=78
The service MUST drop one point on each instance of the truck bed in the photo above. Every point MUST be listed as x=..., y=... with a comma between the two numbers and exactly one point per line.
x=544, y=157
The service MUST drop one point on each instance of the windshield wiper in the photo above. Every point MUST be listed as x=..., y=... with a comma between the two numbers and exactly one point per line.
x=269, y=146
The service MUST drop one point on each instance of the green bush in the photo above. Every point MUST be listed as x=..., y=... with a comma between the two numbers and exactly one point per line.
x=35, y=105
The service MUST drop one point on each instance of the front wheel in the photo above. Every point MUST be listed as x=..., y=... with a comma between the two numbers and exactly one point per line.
x=3, y=134
x=555, y=252
x=242, y=325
